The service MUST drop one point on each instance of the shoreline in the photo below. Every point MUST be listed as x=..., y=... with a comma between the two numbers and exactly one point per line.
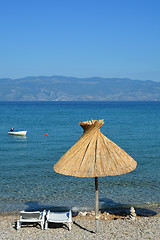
x=115, y=210
x=119, y=212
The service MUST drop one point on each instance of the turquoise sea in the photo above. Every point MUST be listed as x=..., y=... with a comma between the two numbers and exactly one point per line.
x=27, y=178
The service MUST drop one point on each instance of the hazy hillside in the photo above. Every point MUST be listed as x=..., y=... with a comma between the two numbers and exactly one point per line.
x=59, y=88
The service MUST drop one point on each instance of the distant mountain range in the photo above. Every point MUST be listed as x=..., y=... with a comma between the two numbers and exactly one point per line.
x=60, y=88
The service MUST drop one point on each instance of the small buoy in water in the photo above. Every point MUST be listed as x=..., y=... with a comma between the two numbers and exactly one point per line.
x=46, y=134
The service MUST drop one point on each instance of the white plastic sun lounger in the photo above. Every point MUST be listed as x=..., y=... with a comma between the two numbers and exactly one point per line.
x=59, y=217
x=31, y=217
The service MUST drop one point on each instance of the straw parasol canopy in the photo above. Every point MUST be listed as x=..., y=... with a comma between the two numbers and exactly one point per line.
x=94, y=155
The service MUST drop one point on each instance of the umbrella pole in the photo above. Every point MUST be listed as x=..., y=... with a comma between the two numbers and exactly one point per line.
x=96, y=205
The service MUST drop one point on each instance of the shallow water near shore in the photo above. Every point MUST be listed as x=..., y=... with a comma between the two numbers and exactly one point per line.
x=27, y=179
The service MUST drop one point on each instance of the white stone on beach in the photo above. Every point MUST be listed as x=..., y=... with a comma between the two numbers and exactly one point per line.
x=83, y=214
x=132, y=214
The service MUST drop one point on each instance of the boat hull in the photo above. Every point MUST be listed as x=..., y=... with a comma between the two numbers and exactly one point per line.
x=18, y=133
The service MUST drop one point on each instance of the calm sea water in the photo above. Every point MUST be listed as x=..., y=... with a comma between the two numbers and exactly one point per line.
x=27, y=179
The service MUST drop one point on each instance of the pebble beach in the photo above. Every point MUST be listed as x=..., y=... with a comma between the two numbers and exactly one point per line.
x=110, y=227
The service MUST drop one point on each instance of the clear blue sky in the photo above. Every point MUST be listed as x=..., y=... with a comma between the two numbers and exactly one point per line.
x=81, y=38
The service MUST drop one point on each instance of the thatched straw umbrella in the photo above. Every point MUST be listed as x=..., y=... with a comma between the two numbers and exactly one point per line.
x=94, y=155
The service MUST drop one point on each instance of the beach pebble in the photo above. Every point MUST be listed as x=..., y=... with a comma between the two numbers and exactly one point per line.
x=143, y=228
x=93, y=213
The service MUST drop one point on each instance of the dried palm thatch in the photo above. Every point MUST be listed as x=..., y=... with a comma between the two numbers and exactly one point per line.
x=94, y=155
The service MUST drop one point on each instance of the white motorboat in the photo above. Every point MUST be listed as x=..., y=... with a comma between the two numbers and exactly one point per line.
x=17, y=133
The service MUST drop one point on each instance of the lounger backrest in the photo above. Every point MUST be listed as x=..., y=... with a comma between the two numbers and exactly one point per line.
x=30, y=215
x=58, y=215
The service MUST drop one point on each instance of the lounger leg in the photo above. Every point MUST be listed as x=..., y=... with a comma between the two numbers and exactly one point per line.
x=18, y=224
x=42, y=225
x=46, y=225
x=69, y=226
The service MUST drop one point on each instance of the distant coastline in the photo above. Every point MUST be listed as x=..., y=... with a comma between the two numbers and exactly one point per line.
x=61, y=88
